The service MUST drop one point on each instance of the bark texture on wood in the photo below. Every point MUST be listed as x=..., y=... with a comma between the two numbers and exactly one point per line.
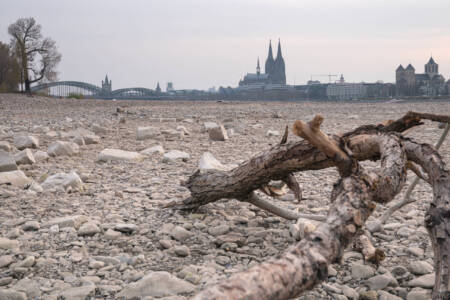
x=437, y=219
x=305, y=264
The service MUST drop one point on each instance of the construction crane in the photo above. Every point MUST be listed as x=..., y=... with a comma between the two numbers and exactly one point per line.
x=329, y=76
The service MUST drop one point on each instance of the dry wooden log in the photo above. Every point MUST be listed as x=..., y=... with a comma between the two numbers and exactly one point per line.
x=305, y=264
x=377, y=226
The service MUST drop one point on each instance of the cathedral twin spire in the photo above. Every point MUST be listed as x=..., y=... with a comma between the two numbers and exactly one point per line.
x=275, y=68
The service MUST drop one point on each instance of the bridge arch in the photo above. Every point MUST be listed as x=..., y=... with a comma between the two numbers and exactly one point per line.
x=136, y=92
x=65, y=88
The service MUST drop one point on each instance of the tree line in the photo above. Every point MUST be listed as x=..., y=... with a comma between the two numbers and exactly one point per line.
x=28, y=58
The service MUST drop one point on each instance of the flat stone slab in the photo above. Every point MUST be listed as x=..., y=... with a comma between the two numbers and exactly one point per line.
x=16, y=178
x=118, y=155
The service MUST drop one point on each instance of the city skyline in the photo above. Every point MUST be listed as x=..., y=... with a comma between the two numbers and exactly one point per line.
x=200, y=44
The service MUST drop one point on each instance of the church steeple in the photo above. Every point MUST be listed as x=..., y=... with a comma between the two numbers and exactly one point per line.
x=258, y=68
x=269, y=62
x=279, y=55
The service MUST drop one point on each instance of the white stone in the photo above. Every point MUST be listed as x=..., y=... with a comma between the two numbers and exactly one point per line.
x=209, y=125
x=16, y=178
x=60, y=148
x=22, y=141
x=209, y=162
x=152, y=150
x=7, y=162
x=24, y=157
x=272, y=133
x=218, y=133
x=183, y=130
x=118, y=155
x=41, y=156
x=63, y=181
x=68, y=221
x=88, y=229
x=78, y=293
x=176, y=154
x=8, y=244
x=143, y=133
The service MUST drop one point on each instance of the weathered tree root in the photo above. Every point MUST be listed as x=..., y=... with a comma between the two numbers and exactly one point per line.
x=305, y=264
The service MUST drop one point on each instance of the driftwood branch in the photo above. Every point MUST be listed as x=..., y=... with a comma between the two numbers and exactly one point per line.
x=352, y=201
x=305, y=264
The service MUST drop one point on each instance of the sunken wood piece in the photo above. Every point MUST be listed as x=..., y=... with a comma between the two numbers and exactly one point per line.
x=305, y=264
x=437, y=219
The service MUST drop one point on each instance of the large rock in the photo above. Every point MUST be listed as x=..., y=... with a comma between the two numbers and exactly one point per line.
x=8, y=244
x=63, y=181
x=118, y=155
x=60, y=148
x=176, y=154
x=7, y=162
x=360, y=271
x=12, y=295
x=24, y=157
x=425, y=281
x=152, y=150
x=143, y=133
x=25, y=141
x=16, y=178
x=420, y=267
x=78, y=293
x=209, y=162
x=218, y=133
x=156, y=284
x=88, y=229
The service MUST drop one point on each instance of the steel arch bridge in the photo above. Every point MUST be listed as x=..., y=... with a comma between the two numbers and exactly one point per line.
x=65, y=88
x=87, y=90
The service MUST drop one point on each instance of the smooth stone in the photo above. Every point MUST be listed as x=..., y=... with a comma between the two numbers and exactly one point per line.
x=88, y=229
x=78, y=293
x=420, y=267
x=388, y=296
x=143, y=133
x=7, y=162
x=360, y=271
x=180, y=234
x=8, y=244
x=15, y=178
x=272, y=133
x=22, y=142
x=24, y=157
x=5, y=146
x=31, y=226
x=209, y=162
x=126, y=228
x=152, y=150
x=378, y=282
x=176, y=154
x=424, y=281
x=209, y=125
x=12, y=295
x=218, y=133
x=181, y=251
x=63, y=181
x=418, y=294
x=60, y=148
x=29, y=287
x=41, y=156
x=107, y=155
x=111, y=234
x=6, y=260
x=369, y=295
x=156, y=284
x=218, y=230
x=68, y=221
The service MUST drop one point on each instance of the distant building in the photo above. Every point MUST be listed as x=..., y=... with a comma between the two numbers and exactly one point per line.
x=158, y=88
x=342, y=90
x=274, y=72
x=169, y=87
x=408, y=83
x=106, y=86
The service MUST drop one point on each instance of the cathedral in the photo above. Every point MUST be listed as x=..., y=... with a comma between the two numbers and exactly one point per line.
x=274, y=71
x=408, y=83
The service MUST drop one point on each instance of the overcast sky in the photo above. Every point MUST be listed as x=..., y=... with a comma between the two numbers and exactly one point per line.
x=205, y=43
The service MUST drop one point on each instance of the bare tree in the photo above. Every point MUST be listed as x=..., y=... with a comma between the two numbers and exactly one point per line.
x=9, y=69
x=38, y=56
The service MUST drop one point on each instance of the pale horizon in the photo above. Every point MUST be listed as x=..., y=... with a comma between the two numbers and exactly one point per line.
x=200, y=44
